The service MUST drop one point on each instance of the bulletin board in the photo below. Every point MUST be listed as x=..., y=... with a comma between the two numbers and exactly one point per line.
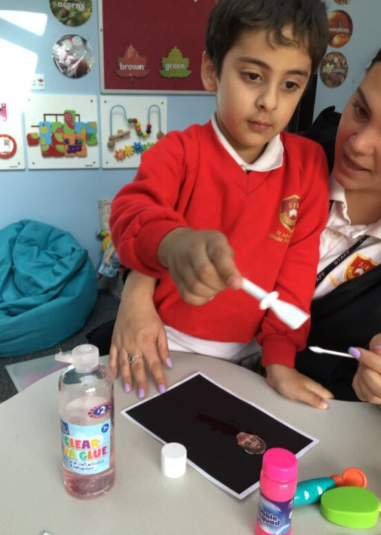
x=62, y=132
x=11, y=138
x=130, y=116
x=152, y=46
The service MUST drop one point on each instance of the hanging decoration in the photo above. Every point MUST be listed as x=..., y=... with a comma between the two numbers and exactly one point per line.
x=175, y=65
x=73, y=56
x=64, y=139
x=333, y=69
x=8, y=146
x=132, y=65
x=160, y=133
x=120, y=134
x=340, y=28
x=72, y=13
x=137, y=147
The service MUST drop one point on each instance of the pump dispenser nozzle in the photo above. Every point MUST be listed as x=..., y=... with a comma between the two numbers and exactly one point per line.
x=84, y=358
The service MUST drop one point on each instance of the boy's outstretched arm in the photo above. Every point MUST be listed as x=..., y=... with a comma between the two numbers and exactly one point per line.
x=296, y=280
x=139, y=331
x=201, y=263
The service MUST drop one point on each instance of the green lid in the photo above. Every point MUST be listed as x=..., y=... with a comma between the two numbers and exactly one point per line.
x=352, y=507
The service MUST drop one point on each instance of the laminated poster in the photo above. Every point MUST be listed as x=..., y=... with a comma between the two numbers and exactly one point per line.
x=225, y=435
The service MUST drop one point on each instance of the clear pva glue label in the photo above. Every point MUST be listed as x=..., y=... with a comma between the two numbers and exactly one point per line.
x=86, y=449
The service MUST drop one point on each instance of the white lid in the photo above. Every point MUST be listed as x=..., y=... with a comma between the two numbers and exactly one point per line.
x=84, y=358
x=173, y=460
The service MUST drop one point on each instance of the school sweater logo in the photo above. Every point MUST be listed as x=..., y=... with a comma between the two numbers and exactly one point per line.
x=358, y=266
x=288, y=212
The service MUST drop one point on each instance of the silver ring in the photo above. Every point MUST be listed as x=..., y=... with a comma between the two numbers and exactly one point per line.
x=132, y=358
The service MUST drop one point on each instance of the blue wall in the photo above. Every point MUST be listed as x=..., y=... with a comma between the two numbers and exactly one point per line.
x=68, y=199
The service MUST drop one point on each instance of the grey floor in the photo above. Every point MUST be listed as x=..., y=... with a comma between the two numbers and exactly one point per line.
x=105, y=309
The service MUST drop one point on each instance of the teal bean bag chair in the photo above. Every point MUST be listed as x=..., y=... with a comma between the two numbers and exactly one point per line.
x=48, y=287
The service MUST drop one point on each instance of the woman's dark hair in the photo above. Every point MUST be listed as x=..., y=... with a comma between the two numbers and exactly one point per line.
x=230, y=18
x=376, y=59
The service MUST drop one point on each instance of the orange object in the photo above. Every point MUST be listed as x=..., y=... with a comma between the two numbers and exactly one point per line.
x=351, y=477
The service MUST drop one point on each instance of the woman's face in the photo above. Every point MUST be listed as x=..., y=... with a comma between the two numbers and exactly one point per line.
x=358, y=141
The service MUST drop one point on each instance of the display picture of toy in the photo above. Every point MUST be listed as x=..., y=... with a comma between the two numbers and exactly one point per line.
x=333, y=69
x=73, y=56
x=340, y=28
x=72, y=13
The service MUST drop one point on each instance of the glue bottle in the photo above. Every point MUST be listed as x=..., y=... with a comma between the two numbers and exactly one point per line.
x=87, y=423
x=278, y=482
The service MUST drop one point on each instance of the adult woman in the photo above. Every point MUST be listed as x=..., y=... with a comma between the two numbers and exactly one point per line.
x=347, y=308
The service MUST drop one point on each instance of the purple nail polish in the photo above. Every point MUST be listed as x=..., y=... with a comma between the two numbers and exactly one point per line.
x=127, y=388
x=377, y=347
x=169, y=363
x=354, y=352
x=141, y=393
x=161, y=388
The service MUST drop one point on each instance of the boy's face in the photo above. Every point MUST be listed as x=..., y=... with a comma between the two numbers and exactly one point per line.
x=258, y=90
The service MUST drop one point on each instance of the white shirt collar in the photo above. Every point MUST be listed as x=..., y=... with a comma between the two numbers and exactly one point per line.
x=272, y=157
x=337, y=193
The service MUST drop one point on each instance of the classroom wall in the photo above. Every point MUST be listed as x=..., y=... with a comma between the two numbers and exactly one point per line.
x=67, y=199
x=360, y=49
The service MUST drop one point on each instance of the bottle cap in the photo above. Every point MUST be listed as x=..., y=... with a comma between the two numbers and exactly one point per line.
x=351, y=477
x=280, y=465
x=173, y=460
x=84, y=358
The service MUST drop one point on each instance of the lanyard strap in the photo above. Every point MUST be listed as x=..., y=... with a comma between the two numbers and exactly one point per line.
x=324, y=272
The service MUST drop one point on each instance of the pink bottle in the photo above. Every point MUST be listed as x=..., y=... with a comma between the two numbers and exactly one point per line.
x=278, y=482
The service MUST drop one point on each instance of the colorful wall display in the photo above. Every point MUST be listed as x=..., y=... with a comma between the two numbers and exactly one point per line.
x=11, y=139
x=62, y=132
x=73, y=56
x=152, y=46
x=72, y=13
x=130, y=126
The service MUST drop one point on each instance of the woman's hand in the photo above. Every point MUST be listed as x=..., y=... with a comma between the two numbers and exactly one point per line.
x=294, y=385
x=367, y=381
x=139, y=331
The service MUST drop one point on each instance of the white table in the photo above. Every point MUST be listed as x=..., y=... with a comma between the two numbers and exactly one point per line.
x=143, y=501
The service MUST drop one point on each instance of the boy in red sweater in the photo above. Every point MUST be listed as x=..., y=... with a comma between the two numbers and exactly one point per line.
x=236, y=187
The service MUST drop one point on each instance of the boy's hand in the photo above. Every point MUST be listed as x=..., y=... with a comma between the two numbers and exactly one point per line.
x=200, y=262
x=294, y=385
x=367, y=381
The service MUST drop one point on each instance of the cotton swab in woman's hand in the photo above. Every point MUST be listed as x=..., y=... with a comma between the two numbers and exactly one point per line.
x=317, y=349
x=291, y=315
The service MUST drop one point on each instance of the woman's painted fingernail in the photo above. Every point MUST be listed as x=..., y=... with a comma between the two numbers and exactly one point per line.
x=169, y=362
x=161, y=388
x=377, y=347
x=324, y=405
x=141, y=393
x=354, y=352
x=127, y=388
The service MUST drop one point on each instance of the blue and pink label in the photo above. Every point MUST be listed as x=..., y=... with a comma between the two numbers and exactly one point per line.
x=274, y=517
x=86, y=449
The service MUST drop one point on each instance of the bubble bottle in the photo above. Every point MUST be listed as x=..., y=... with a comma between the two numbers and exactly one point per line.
x=278, y=482
x=87, y=423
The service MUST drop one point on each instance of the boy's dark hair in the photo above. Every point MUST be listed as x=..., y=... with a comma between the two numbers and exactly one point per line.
x=229, y=18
